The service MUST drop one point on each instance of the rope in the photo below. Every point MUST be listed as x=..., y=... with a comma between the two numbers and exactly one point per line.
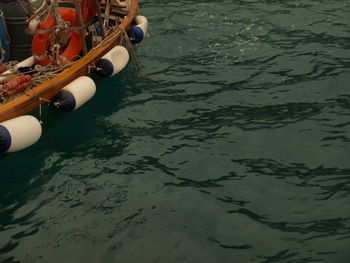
x=94, y=67
x=127, y=44
x=24, y=8
x=40, y=9
x=94, y=35
x=42, y=74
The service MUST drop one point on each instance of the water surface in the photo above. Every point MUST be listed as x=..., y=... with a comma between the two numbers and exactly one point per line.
x=231, y=145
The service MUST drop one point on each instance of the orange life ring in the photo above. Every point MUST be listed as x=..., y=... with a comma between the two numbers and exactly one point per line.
x=40, y=41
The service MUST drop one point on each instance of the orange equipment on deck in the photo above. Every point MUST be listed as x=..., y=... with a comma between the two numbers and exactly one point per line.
x=40, y=44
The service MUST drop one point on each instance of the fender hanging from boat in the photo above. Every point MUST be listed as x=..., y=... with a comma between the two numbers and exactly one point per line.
x=40, y=41
x=113, y=62
x=19, y=130
x=19, y=133
x=138, y=32
x=75, y=94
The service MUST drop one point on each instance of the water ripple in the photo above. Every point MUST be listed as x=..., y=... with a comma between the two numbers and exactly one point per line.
x=232, y=143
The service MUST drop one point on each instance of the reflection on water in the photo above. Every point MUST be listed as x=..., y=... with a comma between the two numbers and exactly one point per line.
x=232, y=144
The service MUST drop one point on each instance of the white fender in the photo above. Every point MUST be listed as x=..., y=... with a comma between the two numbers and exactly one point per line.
x=75, y=94
x=113, y=62
x=25, y=63
x=33, y=24
x=137, y=33
x=19, y=133
x=142, y=22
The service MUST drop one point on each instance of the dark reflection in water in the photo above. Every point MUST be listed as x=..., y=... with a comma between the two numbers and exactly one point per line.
x=232, y=145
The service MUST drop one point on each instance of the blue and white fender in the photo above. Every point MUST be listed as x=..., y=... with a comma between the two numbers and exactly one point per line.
x=75, y=94
x=113, y=62
x=28, y=62
x=138, y=32
x=19, y=133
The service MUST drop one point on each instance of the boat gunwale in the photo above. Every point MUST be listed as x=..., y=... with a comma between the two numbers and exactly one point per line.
x=45, y=91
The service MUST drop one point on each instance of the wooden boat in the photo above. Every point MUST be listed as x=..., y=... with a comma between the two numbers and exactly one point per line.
x=117, y=22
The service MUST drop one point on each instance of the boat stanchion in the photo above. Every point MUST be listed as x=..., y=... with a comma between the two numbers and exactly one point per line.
x=113, y=62
x=19, y=133
x=75, y=94
x=138, y=32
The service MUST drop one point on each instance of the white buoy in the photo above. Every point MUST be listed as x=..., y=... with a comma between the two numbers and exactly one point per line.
x=33, y=24
x=138, y=32
x=19, y=133
x=75, y=94
x=28, y=62
x=113, y=62
x=142, y=22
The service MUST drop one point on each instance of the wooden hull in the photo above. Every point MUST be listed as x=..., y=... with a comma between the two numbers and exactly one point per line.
x=47, y=90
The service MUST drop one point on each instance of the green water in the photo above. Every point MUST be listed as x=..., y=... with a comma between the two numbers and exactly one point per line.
x=232, y=145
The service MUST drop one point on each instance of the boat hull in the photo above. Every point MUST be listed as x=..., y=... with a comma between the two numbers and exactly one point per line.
x=40, y=94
